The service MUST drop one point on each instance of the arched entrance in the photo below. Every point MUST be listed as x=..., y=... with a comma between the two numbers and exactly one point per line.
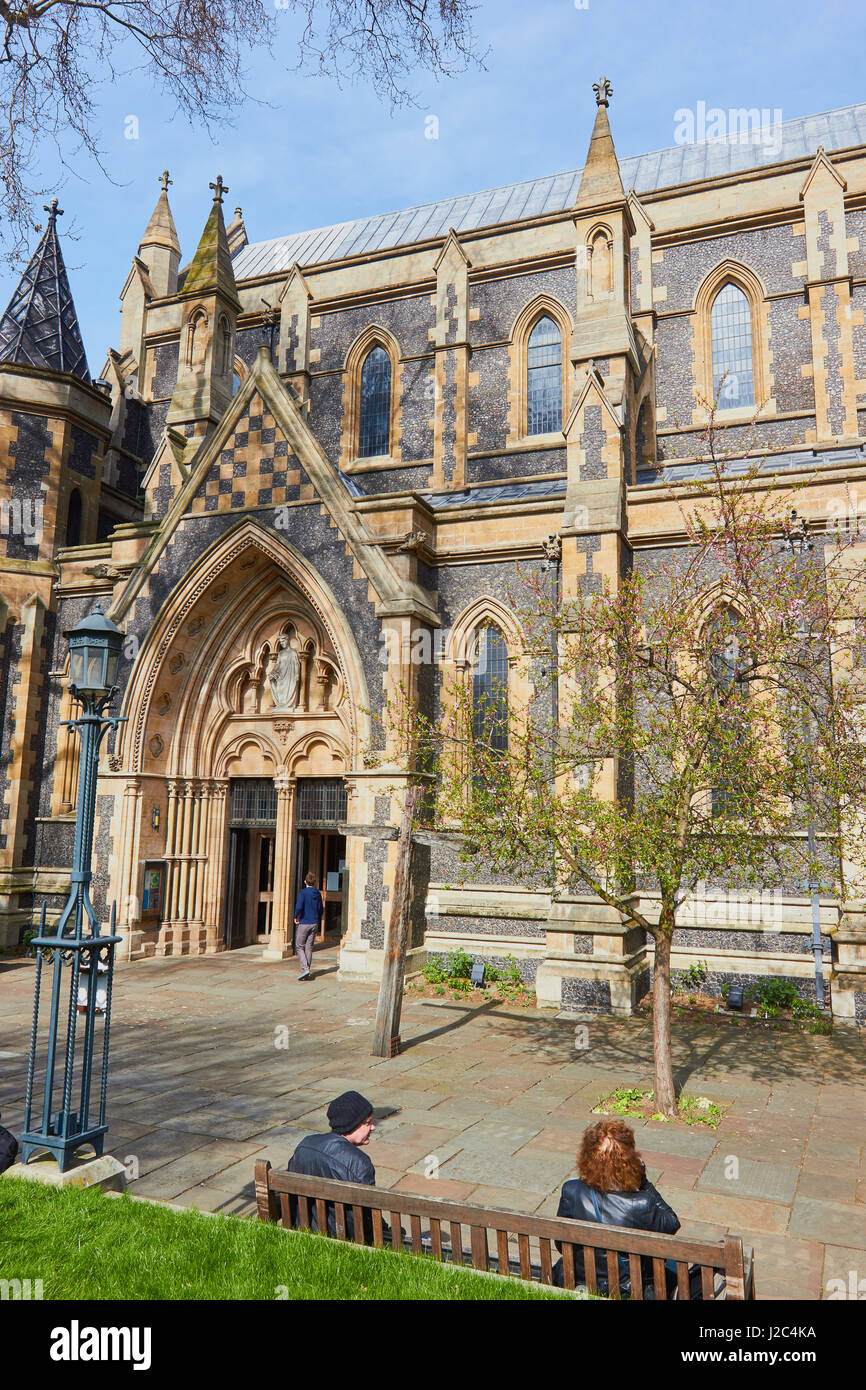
x=245, y=715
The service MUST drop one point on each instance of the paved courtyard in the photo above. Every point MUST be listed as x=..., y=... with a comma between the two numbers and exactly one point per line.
x=222, y=1060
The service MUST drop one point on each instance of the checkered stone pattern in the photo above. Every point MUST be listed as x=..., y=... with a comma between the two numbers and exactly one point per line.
x=257, y=469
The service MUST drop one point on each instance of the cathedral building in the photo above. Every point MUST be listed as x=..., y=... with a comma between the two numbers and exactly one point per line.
x=305, y=455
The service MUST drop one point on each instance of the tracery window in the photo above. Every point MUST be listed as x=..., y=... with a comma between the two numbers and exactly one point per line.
x=731, y=332
x=375, y=415
x=490, y=690
x=544, y=378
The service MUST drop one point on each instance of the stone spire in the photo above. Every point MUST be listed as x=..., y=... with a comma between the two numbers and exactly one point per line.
x=160, y=248
x=600, y=181
x=40, y=326
x=211, y=267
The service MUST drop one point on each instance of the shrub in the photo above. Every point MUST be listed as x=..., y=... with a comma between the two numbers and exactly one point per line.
x=779, y=994
x=433, y=972
x=683, y=981
x=459, y=965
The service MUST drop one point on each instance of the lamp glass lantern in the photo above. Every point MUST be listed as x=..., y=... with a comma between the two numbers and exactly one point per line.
x=94, y=654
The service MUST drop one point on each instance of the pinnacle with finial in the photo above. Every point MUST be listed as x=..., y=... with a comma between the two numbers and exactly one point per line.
x=603, y=92
x=53, y=210
x=165, y=181
x=219, y=188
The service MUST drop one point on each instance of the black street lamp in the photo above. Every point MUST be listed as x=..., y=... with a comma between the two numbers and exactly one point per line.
x=80, y=960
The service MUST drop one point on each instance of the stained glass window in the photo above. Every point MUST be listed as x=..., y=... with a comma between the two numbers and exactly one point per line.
x=490, y=690
x=544, y=378
x=375, y=428
x=731, y=326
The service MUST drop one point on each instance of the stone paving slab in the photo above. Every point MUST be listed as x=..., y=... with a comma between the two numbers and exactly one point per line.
x=836, y=1223
x=774, y=1182
x=171, y=1179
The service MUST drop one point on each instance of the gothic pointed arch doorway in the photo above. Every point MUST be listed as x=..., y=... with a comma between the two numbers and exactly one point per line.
x=248, y=692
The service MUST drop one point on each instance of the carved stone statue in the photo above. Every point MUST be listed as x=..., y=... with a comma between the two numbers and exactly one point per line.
x=284, y=677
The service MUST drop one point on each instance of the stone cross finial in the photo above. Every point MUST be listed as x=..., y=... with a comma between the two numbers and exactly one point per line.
x=219, y=188
x=53, y=210
x=603, y=92
x=166, y=181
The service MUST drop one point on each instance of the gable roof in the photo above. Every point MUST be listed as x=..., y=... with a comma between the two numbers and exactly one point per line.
x=40, y=326
x=679, y=164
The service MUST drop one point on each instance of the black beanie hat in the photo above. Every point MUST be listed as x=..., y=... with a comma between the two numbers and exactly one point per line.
x=348, y=1111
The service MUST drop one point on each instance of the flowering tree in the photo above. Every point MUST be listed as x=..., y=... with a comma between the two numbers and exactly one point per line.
x=686, y=724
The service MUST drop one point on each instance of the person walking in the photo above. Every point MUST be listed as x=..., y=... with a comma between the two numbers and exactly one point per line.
x=309, y=911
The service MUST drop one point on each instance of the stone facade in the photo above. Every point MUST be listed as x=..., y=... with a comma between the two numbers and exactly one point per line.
x=229, y=511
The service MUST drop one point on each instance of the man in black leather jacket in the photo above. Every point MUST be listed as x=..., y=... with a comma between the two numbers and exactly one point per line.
x=338, y=1155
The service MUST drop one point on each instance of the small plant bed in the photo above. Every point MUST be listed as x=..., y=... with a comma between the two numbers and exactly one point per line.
x=451, y=979
x=769, y=1003
x=636, y=1103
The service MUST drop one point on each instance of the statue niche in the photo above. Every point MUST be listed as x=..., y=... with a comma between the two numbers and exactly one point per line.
x=284, y=677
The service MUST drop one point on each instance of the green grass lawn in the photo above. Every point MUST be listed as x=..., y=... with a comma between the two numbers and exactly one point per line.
x=82, y=1244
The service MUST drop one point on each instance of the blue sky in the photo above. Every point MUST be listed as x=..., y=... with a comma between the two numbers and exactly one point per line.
x=317, y=154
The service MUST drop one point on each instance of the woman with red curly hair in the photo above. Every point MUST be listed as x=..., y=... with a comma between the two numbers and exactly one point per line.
x=613, y=1189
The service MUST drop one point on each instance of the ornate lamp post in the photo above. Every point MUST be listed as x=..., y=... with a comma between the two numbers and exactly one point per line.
x=79, y=959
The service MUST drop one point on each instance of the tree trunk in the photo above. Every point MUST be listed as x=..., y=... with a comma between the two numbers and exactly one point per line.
x=386, y=1041
x=665, y=1092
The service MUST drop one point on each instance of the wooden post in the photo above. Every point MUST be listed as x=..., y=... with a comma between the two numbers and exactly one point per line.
x=386, y=1041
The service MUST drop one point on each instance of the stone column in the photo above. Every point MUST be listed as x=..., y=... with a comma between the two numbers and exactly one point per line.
x=170, y=898
x=215, y=867
x=280, y=945
x=129, y=906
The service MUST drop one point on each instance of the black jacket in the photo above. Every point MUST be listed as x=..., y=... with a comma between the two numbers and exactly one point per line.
x=332, y=1156
x=8, y=1149
x=643, y=1210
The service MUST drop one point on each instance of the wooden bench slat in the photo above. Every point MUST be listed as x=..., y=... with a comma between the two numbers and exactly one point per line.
x=568, y=1279
x=378, y=1236
x=478, y=1238
x=589, y=1268
x=682, y=1280
x=613, y=1289
x=340, y=1220
x=304, y=1213
x=523, y=1253
x=660, y=1285
x=707, y=1283
x=456, y=1243
x=436, y=1237
x=635, y=1276
x=416, y=1235
x=502, y=1251
x=358, y=1222
x=546, y=1265
x=285, y=1210
x=322, y=1215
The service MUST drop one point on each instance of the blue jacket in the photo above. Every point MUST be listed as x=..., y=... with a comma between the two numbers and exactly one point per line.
x=309, y=907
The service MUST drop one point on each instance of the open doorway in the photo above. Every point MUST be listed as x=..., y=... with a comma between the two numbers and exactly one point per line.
x=252, y=854
x=320, y=848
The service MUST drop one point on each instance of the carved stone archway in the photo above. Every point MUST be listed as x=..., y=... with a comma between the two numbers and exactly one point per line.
x=250, y=671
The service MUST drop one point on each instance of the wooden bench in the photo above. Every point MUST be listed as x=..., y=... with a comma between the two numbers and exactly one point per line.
x=507, y=1242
